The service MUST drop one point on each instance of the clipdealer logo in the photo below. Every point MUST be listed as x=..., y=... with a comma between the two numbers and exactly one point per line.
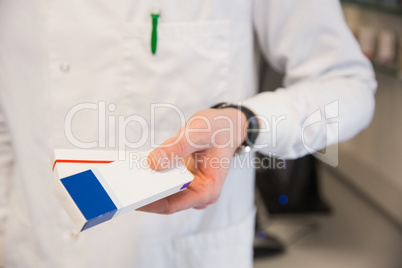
x=111, y=130
x=314, y=124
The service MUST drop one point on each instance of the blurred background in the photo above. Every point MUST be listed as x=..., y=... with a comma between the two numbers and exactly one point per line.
x=314, y=215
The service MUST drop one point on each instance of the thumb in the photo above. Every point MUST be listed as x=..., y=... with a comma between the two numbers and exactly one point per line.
x=170, y=153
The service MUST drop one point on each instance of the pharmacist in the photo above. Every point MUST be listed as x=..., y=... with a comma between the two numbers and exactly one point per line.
x=55, y=55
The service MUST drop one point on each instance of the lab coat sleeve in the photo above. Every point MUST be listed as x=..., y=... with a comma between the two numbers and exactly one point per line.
x=329, y=86
x=5, y=173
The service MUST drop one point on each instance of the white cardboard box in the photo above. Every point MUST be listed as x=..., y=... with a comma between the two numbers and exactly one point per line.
x=94, y=186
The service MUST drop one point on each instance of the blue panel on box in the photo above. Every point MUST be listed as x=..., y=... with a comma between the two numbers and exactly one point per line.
x=90, y=197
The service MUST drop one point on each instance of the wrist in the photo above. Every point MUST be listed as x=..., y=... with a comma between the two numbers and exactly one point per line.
x=240, y=122
x=249, y=129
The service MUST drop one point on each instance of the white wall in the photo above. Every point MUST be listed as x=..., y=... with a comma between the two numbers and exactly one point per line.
x=373, y=160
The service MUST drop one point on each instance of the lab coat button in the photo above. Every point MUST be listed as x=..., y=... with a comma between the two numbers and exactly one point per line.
x=65, y=67
x=74, y=236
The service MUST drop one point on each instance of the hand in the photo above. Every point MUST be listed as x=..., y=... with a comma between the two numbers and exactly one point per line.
x=205, y=145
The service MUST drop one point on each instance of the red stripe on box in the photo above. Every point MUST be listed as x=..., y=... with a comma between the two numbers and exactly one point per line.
x=81, y=162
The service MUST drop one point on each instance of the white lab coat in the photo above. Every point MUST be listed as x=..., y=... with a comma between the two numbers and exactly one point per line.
x=55, y=54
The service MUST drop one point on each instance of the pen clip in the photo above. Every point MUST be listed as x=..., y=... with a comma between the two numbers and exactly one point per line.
x=154, y=36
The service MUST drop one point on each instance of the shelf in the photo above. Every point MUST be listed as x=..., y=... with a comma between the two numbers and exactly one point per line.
x=376, y=7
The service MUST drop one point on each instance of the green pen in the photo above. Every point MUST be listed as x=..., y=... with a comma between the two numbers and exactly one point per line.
x=154, y=36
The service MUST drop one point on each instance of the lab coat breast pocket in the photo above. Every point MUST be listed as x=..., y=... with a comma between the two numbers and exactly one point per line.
x=189, y=69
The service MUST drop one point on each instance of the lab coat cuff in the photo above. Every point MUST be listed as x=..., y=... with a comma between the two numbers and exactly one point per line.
x=277, y=116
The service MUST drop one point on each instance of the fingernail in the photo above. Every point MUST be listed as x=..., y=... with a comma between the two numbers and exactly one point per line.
x=160, y=159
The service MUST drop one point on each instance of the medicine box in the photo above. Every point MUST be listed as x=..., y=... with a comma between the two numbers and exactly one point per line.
x=95, y=186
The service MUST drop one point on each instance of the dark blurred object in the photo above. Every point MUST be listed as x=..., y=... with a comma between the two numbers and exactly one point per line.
x=265, y=245
x=294, y=189
x=289, y=188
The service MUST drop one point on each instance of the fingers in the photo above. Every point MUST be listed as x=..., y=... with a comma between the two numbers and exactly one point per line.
x=197, y=196
x=204, y=131
x=174, y=150
x=174, y=203
x=165, y=157
x=205, y=146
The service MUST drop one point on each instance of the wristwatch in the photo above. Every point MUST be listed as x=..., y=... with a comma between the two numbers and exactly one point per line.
x=252, y=129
